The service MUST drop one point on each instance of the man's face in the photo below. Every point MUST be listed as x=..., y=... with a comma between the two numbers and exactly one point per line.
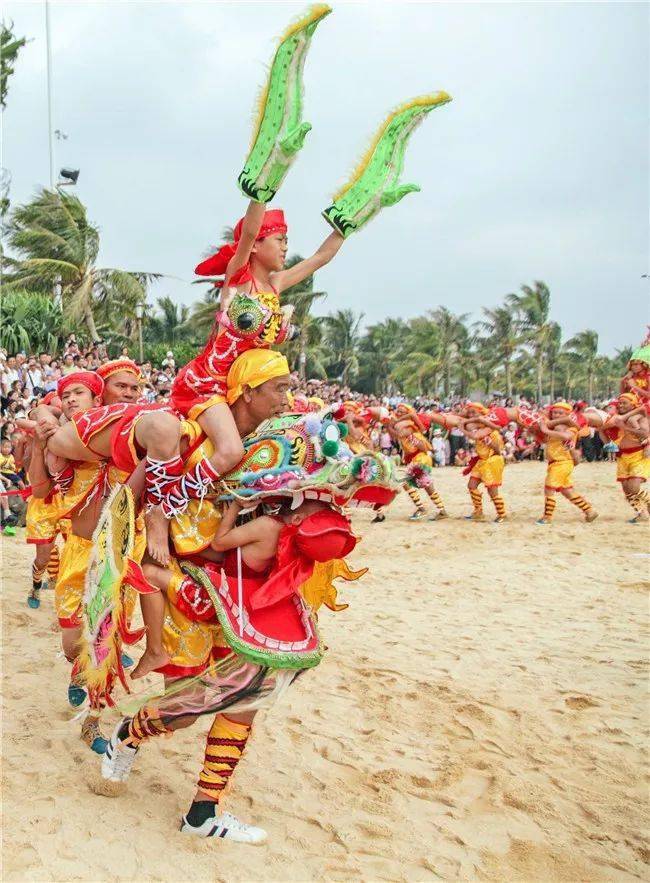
x=121, y=387
x=69, y=360
x=624, y=406
x=76, y=399
x=31, y=364
x=44, y=359
x=20, y=359
x=11, y=362
x=268, y=400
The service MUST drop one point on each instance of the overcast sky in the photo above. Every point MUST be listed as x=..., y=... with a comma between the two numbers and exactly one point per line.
x=537, y=170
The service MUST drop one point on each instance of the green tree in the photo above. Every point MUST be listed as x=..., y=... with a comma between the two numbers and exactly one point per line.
x=552, y=354
x=302, y=297
x=502, y=326
x=10, y=46
x=380, y=350
x=342, y=336
x=585, y=346
x=31, y=322
x=452, y=333
x=168, y=324
x=532, y=307
x=58, y=248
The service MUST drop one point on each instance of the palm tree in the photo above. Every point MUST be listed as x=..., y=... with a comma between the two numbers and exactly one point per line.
x=201, y=319
x=169, y=325
x=58, y=248
x=552, y=354
x=585, y=346
x=380, y=350
x=505, y=333
x=532, y=307
x=342, y=335
x=10, y=46
x=452, y=333
x=302, y=297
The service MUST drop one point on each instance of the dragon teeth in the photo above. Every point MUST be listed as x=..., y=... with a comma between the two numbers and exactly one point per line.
x=298, y=500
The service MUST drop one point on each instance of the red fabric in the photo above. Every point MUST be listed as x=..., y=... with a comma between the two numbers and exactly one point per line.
x=216, y=265
x=50, y=399
x=324, y=536
x=90, y=379
x=472, y=463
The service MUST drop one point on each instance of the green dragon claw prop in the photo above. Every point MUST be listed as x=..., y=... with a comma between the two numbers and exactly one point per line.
x=279, y=131
x=374, y=185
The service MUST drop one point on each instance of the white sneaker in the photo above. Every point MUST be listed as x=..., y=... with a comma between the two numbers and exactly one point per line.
x=118, y=759
x=225, y=826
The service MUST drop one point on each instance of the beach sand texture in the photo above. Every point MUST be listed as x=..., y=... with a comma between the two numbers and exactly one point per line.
x=481, y=714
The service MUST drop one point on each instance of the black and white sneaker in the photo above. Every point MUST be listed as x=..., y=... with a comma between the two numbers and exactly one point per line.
x=227, y=827
x=118, y=758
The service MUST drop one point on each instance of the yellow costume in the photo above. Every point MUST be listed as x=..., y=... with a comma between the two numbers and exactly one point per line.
x=42, y=519
x=490, y=465
x=632, y=465
x=559, y=473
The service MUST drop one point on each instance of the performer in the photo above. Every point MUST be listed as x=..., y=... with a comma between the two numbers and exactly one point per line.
x=416, y=456
x=629, y=428
x=488, y=464
x=560, y=444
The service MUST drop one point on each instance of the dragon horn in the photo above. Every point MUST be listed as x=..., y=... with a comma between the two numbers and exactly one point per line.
x=374, y=183
x=279, y=131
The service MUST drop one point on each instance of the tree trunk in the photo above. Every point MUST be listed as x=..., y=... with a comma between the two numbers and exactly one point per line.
x=540, y=377
x=89, y=319
x=590, y=387
x=508, y=371
x=447, y=383
x=552, y=391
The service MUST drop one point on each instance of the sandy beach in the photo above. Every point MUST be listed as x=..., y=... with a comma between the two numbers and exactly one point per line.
x=481, y=715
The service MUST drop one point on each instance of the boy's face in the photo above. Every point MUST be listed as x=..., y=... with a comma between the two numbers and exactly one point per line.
x=272, y=251
x=76, y=399
x=6, y=448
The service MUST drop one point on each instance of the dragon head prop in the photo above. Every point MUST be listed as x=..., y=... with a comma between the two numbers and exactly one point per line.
x=305, y=456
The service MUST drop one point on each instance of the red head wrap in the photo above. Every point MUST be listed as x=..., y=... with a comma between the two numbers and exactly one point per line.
x=90, y=379
x=116, y=366
x=216, y=265
x=48, y=399
x=325, y=535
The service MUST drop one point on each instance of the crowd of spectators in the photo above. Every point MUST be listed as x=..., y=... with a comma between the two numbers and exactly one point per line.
x=25, y=378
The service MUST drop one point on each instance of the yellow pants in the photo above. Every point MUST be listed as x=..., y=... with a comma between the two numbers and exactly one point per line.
x=42, y=520
x=69, y=589
x=188, y=644
x=559, y=475
x=633, y=466
x=489, y=471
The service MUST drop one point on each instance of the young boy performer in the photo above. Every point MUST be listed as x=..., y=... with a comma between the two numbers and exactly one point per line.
x=416, y=456
x=488, y=464
x=630, y=430
x=560, y=441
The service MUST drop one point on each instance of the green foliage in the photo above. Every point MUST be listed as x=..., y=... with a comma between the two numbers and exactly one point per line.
x=57, y=247
x=183, y=352
x=10, y=46
x=30, y=322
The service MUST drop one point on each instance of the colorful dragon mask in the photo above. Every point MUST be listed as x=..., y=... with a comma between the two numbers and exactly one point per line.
x=304, y=456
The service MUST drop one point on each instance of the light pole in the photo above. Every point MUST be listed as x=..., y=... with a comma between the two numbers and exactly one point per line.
x=139, y=315
x=49, y=91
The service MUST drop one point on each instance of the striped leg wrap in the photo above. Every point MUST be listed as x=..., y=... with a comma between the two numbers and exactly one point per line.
x=145, y=726
x=415, y=497
x=638, y=501
x=37, y=576
x=580, y=502
x=159, y=477
x=53, y=565
x=477, y=500
x=549, y=507
x=499, y=505
x=436, y=498
x=223, y=751
x=193, y=485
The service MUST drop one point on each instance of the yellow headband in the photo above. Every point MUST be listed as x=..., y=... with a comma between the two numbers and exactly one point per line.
x=630, y=397
x=253, y=368
x=560, y=406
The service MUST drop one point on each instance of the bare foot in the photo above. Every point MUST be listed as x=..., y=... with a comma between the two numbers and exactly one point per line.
x=157, y=535
x=149, y=661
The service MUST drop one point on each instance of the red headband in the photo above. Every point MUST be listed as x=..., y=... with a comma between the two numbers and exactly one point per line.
x=217, y=264
x=116, y=366
x=90, y=379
